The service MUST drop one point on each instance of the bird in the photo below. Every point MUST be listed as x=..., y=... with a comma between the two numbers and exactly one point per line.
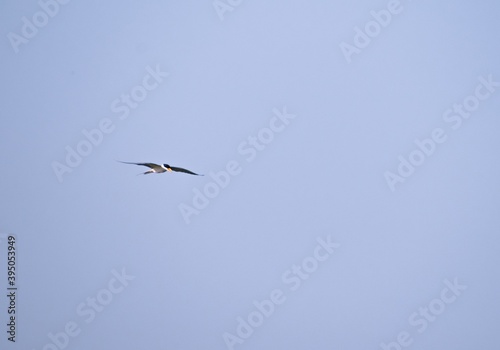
x=161, y=168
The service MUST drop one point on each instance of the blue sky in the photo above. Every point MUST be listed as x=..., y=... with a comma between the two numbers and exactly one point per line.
x=350, y=197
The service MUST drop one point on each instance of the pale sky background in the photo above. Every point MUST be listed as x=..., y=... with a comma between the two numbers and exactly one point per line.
x=321, y=176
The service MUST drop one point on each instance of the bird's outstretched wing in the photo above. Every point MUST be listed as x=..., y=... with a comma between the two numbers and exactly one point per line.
x=182, y=170
x=150, y=165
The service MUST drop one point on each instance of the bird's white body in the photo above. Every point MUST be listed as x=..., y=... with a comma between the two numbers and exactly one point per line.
x=156, y=168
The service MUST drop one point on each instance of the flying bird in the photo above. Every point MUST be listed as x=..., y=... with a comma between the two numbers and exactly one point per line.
x=161, y=168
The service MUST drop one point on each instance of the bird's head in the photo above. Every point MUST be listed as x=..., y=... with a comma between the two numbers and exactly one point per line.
x=166, y=166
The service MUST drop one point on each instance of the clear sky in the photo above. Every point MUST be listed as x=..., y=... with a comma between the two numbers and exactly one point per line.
x=350, y=152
